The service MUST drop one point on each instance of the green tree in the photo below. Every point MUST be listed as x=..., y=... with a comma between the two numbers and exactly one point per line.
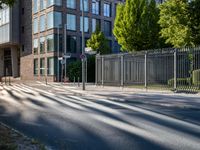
x=136, y=26
x=98, y=42
x=175, y=23
x=7, y=2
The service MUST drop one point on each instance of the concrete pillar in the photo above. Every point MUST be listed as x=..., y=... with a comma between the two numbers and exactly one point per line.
x=15, y=66
x=1, y=62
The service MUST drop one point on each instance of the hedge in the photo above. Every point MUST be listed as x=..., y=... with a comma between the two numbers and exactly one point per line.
x=196, y=77
x=179, y=81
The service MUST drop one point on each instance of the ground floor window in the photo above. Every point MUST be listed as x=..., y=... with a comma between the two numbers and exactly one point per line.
x=42, y=66
x=50, y=65
x=35, y=66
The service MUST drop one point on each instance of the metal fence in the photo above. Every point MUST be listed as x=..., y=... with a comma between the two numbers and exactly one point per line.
x=176, y=69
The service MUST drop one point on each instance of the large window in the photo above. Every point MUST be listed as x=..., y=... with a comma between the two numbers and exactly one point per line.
x=42, y=45
x=107, y=10
x=35, y=46
x=107, y=28
x=53, y=2
x=71, y=4
x=54, y=19
x=71, y=22
x=42, y=4
x=86, y=5
x=86, y=24
x=50, y=43
x=95, y=24
x=42, y=23
x=42, y=66
x=35, y=67
x=71, y=44
x=35, y=6
x=4, y=16
x=96, y=7
x=50, y=66
x=35, y=25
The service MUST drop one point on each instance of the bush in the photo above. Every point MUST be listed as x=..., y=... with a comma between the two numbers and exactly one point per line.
x=75, y=70
x=179, y=81
x=196, y=77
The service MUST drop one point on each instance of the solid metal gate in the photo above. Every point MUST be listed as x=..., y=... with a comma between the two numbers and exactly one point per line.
x=175, y=69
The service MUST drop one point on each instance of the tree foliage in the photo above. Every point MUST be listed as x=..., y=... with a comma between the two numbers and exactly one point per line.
x=136, y=26
x=6, y=2
x=98, y=42
x=194, y=11
x=175, y=23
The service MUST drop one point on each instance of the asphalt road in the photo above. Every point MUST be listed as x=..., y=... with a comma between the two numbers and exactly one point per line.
x=65, y=120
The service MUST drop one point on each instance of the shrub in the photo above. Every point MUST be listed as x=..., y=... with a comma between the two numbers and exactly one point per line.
x=196, y=77
x=75, y=70
x=179, y=81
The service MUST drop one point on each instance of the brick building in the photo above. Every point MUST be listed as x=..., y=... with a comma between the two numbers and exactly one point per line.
x=31, y=30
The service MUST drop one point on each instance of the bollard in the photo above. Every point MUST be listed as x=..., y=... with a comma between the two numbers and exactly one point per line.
x=46, y=80
x=9, y=80
x=78, y=82
x=74, y=80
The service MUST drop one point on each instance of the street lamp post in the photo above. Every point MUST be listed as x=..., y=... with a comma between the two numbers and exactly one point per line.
x=58, y=50
x=65, y=50
x=83, y=48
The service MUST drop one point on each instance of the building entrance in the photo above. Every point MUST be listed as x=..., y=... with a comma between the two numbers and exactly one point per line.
x=7, y=62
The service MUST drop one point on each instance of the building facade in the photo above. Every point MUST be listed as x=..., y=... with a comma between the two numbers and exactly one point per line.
x=36, y=32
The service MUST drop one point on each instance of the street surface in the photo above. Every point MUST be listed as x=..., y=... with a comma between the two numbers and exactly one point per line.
x=65, y=118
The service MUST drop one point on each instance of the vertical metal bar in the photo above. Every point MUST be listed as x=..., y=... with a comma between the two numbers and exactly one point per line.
x=86, y=69
x=58, y=49
x=96, y=73
x=65, y=50
x=175, y=66
x=145, y=70
x=102, y=65
x=122, y=70
x=83, y=49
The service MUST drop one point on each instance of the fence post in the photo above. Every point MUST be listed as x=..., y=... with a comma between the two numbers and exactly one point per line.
x=122, y=70
x=102, y=65
x=96, y=75
x=145, y=70
x=175, y=69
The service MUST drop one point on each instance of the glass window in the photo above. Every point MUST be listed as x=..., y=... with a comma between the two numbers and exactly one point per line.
x=35, y=67
x=71, y=4
x=96, y=7
x=54, y=19
x=86, y=24
x=86, y=5
x=50, y=43
x=42, y=66
x=50, y=66
x=4, y=15
x=71, y=22
x=35, y=25
x=107, y=28
x=42, y=4
x=53, y=2
x=95, y=24
x=57, y=19
x=107, y=10
x=35, y=6
x=35, y=46
x=71, y=44
x=42, y=23
x=42, y=45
